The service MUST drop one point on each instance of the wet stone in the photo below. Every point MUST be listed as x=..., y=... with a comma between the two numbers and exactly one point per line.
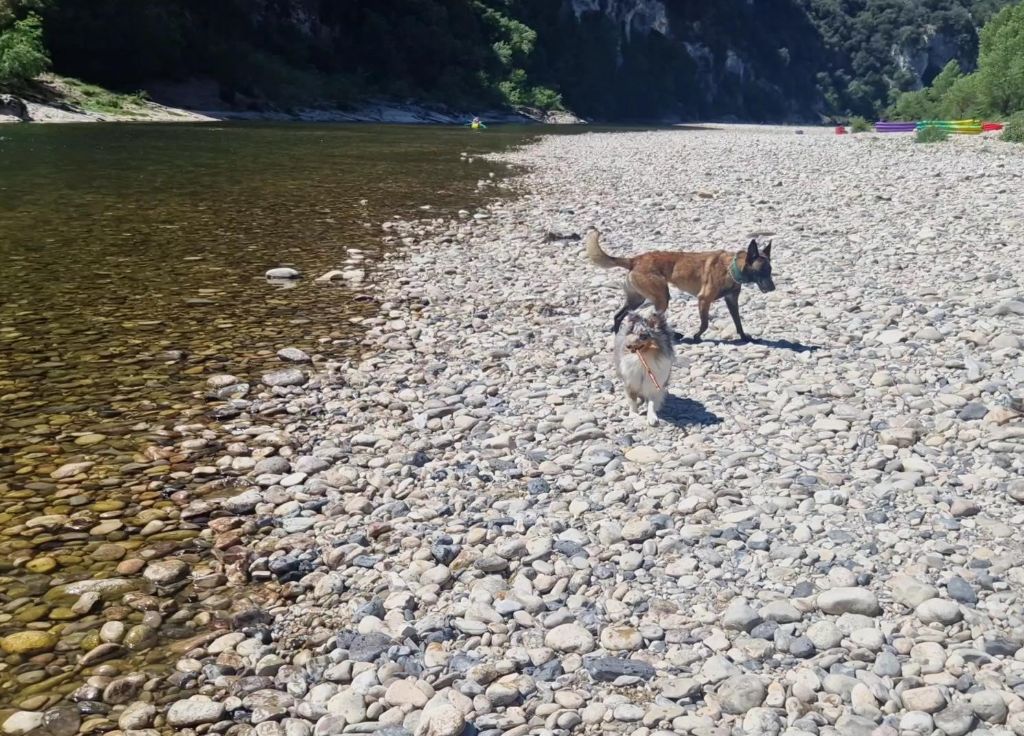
x=166, y=572
x=287, y=377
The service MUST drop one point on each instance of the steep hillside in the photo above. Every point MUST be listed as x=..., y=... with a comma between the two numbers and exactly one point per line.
x=608, y=59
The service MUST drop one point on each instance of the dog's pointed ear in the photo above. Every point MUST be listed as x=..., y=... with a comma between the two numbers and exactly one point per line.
x=767, y=252
x=752, y=251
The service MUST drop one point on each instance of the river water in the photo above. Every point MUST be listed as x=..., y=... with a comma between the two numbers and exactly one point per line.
x=133, y=261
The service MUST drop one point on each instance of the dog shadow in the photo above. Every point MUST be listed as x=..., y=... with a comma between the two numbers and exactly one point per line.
x=796, y=347
x=681, y=412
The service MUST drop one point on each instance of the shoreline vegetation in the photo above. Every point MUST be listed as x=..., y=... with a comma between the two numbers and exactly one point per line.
x=55, y=99
x=635, y=61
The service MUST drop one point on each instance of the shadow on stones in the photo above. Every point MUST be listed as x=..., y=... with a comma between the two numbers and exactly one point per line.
x=681, y=412
x=796, y=347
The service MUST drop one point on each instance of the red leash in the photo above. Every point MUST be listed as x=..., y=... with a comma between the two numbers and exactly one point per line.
x=650, y=373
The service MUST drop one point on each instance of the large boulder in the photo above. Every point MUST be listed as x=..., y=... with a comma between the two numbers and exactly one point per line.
x=13, y=107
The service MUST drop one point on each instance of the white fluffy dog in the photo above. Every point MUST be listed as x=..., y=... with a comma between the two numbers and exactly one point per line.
x=643, y=360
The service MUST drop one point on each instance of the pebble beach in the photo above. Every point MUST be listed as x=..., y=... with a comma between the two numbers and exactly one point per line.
x=465, y=531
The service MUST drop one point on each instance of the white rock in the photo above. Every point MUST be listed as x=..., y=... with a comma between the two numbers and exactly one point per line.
x=194, y=711
x=570, y=638
x=849, y=600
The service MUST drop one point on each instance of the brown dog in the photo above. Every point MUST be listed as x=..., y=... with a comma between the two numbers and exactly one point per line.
x=708, y=275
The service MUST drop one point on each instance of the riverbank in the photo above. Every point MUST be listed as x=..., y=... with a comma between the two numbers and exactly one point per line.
x=55, y=99
x=465, y=525
x=123, y=297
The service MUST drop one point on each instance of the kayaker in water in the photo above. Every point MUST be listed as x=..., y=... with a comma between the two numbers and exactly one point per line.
x=476, y=124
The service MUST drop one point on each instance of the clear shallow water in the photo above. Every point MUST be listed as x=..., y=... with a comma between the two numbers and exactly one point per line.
x=119, y=243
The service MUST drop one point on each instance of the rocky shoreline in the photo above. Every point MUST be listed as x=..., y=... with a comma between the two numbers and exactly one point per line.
x=465, y=531
x=178, y=107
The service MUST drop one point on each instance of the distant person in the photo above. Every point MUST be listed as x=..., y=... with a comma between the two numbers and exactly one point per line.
x=475, y=124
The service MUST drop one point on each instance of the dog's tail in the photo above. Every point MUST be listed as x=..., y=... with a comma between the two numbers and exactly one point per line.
x=601, y=258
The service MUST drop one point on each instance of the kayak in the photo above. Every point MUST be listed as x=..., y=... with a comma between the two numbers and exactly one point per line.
x=988, y=127
x=895, y=127
x=963, y=127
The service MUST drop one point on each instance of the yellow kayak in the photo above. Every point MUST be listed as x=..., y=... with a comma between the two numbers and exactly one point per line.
x=967, y=127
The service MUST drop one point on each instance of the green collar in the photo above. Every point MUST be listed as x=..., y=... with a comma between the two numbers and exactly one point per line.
x=736, y=273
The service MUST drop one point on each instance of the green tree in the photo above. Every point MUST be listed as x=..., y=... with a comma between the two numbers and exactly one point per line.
x=22, y=54
x=1001, y=61
x=963, y=99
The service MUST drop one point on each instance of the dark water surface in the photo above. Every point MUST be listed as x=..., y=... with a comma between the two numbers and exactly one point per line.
x=133, y=260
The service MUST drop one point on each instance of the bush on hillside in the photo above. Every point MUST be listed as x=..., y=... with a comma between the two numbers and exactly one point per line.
x=931, y=135
x=22, y=54
x=1013, y=129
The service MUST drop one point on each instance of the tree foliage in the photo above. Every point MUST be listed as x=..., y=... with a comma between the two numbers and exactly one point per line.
x=702, y=59
x=995, y=89
x=22, y=54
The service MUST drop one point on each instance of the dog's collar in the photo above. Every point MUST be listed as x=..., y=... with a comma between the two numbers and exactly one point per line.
x=736, y=272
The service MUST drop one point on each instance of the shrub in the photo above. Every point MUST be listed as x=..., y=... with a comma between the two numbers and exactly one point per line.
x=860, y=125
x=22, y=54
x=546, y=99
x=1013, y=129
x=931, y=134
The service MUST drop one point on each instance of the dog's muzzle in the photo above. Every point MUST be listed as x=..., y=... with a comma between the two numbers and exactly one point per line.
x=766, y=285
x=639, y=341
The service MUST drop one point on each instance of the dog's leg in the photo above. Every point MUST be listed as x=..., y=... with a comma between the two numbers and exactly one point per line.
x=732, y=301
x=703, y=307
x=633, y=300
x=634, y=402
x=649, y=287
x=652, y=413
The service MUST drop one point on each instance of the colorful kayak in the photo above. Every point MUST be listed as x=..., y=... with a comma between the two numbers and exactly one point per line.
x=962, y=127
x=883, y=126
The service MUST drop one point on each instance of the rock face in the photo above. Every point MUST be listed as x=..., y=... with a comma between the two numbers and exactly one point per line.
x=465, y=529
x=13, y=107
